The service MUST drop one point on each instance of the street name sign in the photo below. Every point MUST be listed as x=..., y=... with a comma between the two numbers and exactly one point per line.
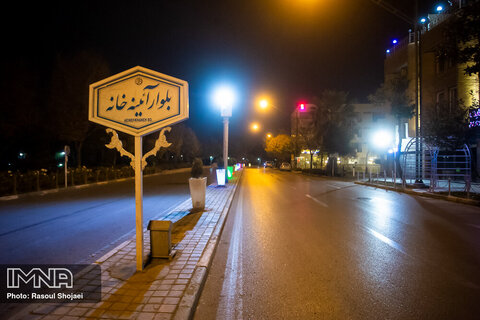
x=138, y=101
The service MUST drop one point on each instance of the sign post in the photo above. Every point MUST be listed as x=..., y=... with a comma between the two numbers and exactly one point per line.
x=138, y=102
x=139, y=202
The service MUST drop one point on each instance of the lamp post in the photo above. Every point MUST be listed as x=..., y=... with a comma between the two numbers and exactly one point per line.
x=224, y=98
x=66, y=152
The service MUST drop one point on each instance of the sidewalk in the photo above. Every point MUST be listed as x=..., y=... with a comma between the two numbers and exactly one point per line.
x=417, y=192
x=165, y=289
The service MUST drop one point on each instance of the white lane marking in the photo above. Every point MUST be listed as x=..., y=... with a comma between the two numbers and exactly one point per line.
x=390, y=242
x=231, y=302
x=323, y=204
x=334, y=186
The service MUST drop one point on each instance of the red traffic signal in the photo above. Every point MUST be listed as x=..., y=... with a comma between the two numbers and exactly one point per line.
x=302, y=107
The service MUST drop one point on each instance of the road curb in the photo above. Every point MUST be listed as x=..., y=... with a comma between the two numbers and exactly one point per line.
x=189, y=301
x=422, y=194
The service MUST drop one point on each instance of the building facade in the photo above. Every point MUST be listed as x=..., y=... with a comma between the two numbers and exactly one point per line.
x=441, y=81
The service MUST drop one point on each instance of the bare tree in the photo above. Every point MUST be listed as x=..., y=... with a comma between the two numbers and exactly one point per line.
x=334, y=124
x=68, y=103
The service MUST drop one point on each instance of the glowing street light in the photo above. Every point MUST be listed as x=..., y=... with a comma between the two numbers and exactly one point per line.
x=225, y=97
x=269, y=135
x=263, y=104
x=255, y=126
x=382, y=139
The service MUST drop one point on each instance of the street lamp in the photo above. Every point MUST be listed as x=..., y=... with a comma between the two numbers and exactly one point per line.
x=263, y=104
x=383, y=140
x=224, y=97
x=255, y=127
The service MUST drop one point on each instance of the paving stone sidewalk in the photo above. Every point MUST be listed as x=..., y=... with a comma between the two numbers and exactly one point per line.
x=165, y=289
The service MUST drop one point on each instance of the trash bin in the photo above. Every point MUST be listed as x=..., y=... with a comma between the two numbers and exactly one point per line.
x=160, y=238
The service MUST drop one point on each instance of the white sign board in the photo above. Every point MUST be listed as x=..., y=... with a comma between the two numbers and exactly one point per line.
x=138, y=101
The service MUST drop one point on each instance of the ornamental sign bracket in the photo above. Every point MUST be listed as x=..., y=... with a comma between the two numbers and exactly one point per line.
x=138, y=102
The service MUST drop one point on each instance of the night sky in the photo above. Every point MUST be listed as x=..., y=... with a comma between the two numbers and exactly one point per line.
x=290, y=49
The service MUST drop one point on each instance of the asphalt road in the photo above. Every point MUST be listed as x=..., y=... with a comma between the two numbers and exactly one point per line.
x=297, y=247
x=79, y=225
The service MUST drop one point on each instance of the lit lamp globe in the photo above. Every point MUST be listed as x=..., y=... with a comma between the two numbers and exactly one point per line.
x=263, y=103
x=382, y=139
x=224, y=97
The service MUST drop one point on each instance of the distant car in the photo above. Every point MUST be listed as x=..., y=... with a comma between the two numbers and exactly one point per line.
x=268, y=164
x=285, y=166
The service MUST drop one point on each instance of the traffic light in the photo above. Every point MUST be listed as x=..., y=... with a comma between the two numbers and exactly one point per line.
x=302, y=107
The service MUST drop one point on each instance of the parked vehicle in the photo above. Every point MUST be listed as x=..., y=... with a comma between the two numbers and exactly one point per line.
x=268, y=164
x=285, y=166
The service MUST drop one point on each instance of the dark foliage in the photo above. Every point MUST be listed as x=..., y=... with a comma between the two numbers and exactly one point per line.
x=197, y=168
